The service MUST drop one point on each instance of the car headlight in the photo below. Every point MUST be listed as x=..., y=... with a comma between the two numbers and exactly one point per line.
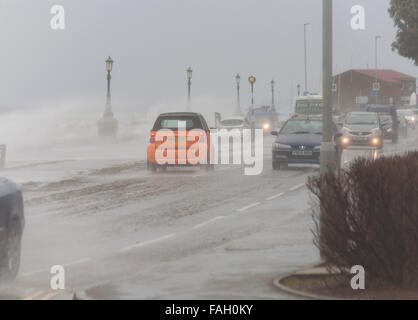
x=282, y=146
x=375, y=141
x=345, y=140
x=389, y=130
x=266, y=126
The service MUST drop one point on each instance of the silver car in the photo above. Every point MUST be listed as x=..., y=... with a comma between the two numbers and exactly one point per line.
x=362, y=129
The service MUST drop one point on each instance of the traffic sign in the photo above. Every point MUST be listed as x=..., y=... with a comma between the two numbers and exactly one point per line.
x=252, y=79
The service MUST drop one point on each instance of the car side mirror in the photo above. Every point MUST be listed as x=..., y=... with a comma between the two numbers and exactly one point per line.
x=274, y=133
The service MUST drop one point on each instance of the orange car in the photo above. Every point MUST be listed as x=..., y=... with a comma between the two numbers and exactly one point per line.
x=179, y=139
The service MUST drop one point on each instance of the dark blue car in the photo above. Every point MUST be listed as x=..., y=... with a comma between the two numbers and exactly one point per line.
x=12, y=222
x=298, y=142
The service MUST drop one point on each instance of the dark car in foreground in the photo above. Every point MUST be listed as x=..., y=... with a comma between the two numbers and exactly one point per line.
x=298, y=142
x=12, y=222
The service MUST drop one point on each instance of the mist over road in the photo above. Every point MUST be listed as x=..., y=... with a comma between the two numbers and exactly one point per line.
x=122, y=232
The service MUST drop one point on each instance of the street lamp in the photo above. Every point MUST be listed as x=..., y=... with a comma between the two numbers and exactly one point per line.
x=376, y=66
x=108, y=125
x=273, y=107
x=306, y=62
x=109, y=67
x=189, y=84
x=238, y=111
x=252, y=80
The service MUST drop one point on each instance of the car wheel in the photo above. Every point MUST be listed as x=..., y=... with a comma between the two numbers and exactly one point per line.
x=151, y=167
x=10, y=263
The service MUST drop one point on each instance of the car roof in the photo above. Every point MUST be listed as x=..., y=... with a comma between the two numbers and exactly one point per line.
x=234, y=118
x=305, y=117
x=361, y=113
x=174, y=114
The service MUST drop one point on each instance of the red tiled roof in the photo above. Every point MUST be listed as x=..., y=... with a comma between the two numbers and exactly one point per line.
x=385, y=75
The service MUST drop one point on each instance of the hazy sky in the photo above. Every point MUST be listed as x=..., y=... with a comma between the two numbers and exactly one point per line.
x=154, y=41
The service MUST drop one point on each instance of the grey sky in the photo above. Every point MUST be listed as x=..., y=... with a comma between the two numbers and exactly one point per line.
x=154, y=41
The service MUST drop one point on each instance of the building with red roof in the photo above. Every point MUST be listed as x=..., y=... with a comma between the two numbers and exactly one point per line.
x=358, y=87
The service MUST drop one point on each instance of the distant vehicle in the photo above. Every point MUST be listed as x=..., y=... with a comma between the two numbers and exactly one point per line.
x=231, y=123
x=172, y=121
x=265, y=118
x=298, y=141
x=409, y=116
x=403, y=124
x=12, y=222
x=388, y=120
x=362, y=129
x=311, y=105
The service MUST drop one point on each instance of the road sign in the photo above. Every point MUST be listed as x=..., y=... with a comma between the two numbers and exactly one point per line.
x=334, y=87
x=362, y=100
x=376, y=86
x=252, y=79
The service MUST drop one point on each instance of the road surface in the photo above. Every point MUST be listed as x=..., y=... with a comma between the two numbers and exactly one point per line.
x=123, y=233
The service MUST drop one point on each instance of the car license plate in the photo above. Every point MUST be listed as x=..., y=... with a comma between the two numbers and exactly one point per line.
x=360, y=138
x=302, y=153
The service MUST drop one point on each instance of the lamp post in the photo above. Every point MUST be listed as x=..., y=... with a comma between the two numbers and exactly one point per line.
x=109, y=68
x=252, y=80
x=189, y=72
x=108, y=125
x=306, y=62
x=375, y=64
x=298, y=87
x=238, y=111
x=273, y=107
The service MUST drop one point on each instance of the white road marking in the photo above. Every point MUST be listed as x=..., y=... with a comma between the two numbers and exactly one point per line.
x=249, y=206
x=76, y=262
x=276, y=196
x=208, y=222
x=27, y=274
x=297, y=187
x=146, y=243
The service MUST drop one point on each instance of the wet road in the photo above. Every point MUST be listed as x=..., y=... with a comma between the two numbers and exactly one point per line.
x=121, y=232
